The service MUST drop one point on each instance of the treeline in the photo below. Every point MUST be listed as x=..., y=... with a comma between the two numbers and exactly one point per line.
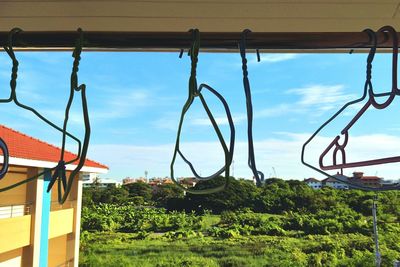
x=291, y=221
x=276, y=196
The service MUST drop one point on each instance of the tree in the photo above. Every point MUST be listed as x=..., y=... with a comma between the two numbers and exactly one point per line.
x=114, y=195
x=165, y=192
x=238, y=194
x=94, y=196
x=139, y=189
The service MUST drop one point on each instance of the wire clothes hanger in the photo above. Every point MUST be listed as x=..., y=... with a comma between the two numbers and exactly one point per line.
x=81, y=155
x=60, y=171
x=13, y=98
x=368, y=91
x=258, y=175
x=194, y=92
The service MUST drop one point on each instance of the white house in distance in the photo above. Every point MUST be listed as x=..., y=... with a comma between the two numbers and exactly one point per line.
x=334, y=183
x=331, y=182
x=95, y=181
x=313, y=183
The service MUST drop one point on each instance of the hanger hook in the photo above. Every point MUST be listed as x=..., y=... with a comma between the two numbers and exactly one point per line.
x=194, y=52
x=10, y=51
x=374, y=42
x=243, y=44
x=77, y=57
x=10, y=40
x=395, y=44
x=60, y=170
x=258, y=175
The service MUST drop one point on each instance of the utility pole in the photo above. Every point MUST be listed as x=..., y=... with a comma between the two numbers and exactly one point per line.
x=377, y=253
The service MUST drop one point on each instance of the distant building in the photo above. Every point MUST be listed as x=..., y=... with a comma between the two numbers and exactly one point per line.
x=371, y=181
x=389, y=182
x=167, y=181
x=35, y=230
x=128, y=180
x=191, y=182
x=159, y=181
x=313, y=183
x=101, y=183
x=336, y=183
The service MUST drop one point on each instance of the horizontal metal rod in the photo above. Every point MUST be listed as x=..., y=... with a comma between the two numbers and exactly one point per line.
x=209, y=40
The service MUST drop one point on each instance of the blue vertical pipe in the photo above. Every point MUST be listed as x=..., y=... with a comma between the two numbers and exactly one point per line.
x=44, y=229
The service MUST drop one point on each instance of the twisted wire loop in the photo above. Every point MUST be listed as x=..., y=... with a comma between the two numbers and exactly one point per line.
x=6, y=156
x=258, y=175
x=193, y=92
x=65, y=184
x=13, y=98
x=368, y=91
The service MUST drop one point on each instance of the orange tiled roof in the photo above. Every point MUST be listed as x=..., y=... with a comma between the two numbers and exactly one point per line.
x=26, y=147
x=370, y=178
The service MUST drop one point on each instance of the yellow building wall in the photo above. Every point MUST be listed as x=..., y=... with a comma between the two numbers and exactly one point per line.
x=22, y=234
x=63, y=227
x=16, y=195
x=71, y=199
x=61, y=250
x=61, y=222
x=18, y=231
x=15, y=233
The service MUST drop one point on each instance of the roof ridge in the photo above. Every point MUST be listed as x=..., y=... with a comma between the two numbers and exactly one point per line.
x=34, y=138
x=48, y=144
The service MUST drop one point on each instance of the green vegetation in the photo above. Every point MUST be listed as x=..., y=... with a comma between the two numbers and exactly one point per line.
x=284, y=223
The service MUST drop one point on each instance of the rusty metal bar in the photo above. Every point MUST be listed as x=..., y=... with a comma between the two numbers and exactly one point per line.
x=209, y=40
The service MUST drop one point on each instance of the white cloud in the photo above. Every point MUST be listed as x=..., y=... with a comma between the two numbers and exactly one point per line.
x=273, y=58
x=219, y=120
x=167, y=123
x=275, y=111
x=314, y=100
x=322, y=96
x=281, y=151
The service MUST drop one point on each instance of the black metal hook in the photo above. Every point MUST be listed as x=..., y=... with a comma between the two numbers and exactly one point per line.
x=60, y=171
x=368, y=89
x=197, y=92
x=13, y=98
x=258, y=175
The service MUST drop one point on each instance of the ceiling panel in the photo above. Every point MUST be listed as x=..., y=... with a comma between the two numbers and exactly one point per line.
x=210, y=16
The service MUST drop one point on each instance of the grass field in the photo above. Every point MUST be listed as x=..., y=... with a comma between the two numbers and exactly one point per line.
x=122, y=249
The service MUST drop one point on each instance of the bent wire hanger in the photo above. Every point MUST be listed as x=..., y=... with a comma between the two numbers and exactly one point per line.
x=368, y=90
x=60, y=170
x=371, y=102
x=13, y=98
x=197, y=92
x=6, y=156
x=258, y=175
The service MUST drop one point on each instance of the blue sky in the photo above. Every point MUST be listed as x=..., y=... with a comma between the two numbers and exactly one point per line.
x=135, y=101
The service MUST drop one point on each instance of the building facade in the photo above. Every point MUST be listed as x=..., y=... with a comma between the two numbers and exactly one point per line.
x=313, y=183
x=35, y=230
